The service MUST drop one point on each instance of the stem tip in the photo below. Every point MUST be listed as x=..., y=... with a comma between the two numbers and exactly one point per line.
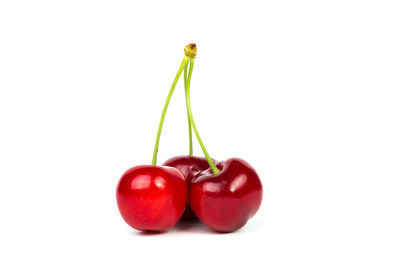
x=191, y=50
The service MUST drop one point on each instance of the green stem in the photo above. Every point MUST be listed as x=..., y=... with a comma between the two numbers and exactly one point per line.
x=189, y=123
x=189, y=111
x=184, y=63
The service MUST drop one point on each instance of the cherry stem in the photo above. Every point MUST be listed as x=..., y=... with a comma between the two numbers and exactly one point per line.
x=184, y=63
x=186, y=77
x=214, y=168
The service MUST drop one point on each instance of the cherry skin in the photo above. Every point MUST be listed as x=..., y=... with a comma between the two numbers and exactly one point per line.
x=224, y=202
x=152, y=198
x=189, y=166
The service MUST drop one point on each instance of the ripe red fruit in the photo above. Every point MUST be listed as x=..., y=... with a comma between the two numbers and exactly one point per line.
x=226, y=201
x=189, y=166
x=152, y=198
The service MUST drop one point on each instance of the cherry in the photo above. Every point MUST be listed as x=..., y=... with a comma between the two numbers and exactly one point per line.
x=226, y=195
x=189, y=166
x=152, y=198
x=225, y=201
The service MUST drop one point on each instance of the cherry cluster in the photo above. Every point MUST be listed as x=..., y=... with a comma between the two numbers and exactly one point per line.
x=223, y=195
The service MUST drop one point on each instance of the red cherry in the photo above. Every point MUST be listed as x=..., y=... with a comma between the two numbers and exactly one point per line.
x=152, y=198
x=226, y=201
x=189, y=166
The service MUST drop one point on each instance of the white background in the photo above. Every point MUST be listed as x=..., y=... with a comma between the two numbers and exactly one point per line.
x=305, y=91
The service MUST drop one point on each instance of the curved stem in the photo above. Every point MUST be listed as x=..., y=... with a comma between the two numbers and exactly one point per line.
x=186, y=78
x=189, y=111
x=184, y=63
